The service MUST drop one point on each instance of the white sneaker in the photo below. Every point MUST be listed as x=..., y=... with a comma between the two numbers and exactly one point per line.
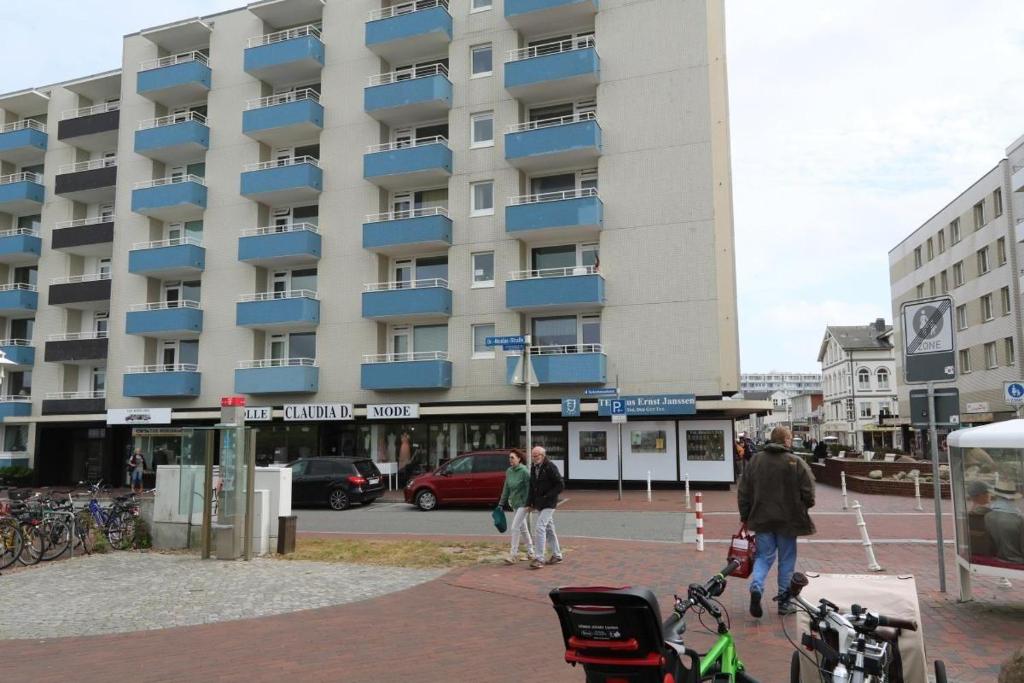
x=511, y=559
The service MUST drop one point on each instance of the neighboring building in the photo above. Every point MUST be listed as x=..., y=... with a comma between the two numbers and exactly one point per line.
x=797, y=382
x=807, y=414
x=858, y=371
x=970, y=250
x=328, y=205
x=759, y=425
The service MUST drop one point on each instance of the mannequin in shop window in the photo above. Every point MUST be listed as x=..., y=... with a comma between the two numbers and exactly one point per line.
x=405, y=451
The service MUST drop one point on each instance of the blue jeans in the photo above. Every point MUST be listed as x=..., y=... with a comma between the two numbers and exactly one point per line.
x=768, y=544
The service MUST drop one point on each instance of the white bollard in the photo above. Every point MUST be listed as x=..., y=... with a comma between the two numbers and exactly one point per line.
x=917, y=491
x=687, y=478
x=842, y=480
x=700, y=522
x=1004, y=583
x=865, y=540
x=648, y=486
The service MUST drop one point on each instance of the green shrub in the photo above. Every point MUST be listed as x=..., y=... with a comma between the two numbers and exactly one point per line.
x=142, y=540
x=17, y=475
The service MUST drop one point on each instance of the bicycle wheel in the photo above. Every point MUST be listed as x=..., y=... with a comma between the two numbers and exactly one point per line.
x=121, y=531
x=11, y=542
x=58, y=538
x=84, y=531
x=940, y=671
x=34, y=544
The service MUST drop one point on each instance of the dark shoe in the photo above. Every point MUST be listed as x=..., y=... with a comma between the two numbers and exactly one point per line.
x=786, y=606
x=755, y=605
x=555, y=559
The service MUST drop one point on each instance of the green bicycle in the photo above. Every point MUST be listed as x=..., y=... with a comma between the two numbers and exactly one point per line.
x=616, y=634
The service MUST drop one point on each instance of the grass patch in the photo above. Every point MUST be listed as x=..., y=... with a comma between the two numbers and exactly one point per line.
x=412, y=554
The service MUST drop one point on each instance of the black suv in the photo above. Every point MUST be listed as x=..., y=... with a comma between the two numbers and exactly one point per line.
x=337, y=481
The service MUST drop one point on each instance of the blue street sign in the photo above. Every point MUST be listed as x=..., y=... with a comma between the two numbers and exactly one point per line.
x=618, y=406
x=506, y=341
x=570, y=407
x=601, y=391
x=1014, y=393
x=652, y=404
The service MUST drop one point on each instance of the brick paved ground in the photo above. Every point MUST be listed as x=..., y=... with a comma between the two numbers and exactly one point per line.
x=495, y=623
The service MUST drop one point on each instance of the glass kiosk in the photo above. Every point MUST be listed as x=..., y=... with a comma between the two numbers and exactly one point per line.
x=987, y=480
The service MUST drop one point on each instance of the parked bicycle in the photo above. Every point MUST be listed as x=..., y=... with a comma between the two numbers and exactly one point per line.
x=117, y=521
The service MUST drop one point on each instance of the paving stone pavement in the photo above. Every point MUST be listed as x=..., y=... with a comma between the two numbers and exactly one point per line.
x=156, y=591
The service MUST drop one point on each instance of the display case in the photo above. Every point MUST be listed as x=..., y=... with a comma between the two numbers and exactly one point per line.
x=987, y=479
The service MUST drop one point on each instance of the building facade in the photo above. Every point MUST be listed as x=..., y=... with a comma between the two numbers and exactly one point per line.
x=327, y=206
x=970, y=250
x=796, y=382
x=858, y=369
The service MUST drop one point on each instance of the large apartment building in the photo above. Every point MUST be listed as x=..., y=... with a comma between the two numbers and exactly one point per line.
x=327, y=206
x=789, y=382
x=970, y=251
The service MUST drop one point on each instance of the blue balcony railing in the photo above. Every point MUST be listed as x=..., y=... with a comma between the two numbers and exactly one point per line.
x=558, y=142
x=560, y=69
x=165, y=319
x=290, y=56
x=555, y=289
x=550, y=15
x=277, y=376
x=394, y=371
x=407, y=30
x=554, y=365
x=397, y=165
x=19, y=351
x=158, y=381
x=21, y=193
x=175, y=258
x=407, y=232
x=409, y=95
x=19, y=245
x=283, y=118
x=18, y=299
x=22, y=141
x=170, y=199
x=557, y=214
x=293, y=309
x=280, y=245
x=15, y=406
x=283, y=181
x=173, y=139
x=408, y=300
x=176, y=79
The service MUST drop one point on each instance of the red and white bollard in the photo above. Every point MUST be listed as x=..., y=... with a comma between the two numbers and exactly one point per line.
x=699, y=499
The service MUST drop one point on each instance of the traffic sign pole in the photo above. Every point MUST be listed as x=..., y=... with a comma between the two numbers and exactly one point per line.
x=529, y=406
x=936, y=483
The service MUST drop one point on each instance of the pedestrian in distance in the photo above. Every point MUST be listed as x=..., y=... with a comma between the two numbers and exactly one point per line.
x=740, y=451
x=820, y=451
x=514, y=493
x=775, y=494
x=136, y=463
x=545, y=485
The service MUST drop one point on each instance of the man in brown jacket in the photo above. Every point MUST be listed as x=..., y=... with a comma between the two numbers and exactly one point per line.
x=775, y=492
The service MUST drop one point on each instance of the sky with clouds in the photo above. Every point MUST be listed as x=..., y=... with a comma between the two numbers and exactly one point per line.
x=852, y=123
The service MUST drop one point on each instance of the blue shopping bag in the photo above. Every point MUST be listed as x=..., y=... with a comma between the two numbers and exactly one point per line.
x=499, y=519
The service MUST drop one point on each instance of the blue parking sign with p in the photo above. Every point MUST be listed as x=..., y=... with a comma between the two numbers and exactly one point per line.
x=618, y=406
x=570, y=407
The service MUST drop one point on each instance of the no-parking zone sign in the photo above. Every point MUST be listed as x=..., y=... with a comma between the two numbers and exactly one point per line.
x=929, y=344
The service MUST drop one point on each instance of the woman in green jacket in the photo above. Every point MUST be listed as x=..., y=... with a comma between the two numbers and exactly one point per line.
x=515, y=492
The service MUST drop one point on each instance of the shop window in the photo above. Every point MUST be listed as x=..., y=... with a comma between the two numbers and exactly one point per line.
x=594, y=445
x=648, y=441
x=705, y=445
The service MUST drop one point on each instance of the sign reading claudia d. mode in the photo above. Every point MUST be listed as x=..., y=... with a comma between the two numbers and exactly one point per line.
x=318, y=411
x=259, y=413
x=653, y=404
x=392, y=411
x=138, y=416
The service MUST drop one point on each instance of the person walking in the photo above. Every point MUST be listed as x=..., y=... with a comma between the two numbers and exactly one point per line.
x=545, y=485
x=136, y=464
x=739, y=450
x=515, y=492
x=820, y=451
x=775, y=493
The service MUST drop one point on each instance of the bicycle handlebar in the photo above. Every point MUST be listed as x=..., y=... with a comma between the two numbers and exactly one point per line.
x=869, y=619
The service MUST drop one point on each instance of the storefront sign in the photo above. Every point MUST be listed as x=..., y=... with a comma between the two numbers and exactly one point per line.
x=570, y=407
x=318, y=411
x=139, y=416
x=393, y=411
x=260, y=414
x=979, y=407
x=654, y=404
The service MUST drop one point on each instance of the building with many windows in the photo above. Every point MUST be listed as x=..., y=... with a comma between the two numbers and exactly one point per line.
x=858, y=369
x=325, y=205
x=792, y=382
x=970, y=250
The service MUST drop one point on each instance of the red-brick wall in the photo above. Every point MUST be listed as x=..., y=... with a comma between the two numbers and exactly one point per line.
x=857, y=479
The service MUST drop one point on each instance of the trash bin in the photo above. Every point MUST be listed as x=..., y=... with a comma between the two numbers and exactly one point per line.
x=286, y=534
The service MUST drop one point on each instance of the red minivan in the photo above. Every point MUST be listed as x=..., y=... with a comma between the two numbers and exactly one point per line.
x=468, y=479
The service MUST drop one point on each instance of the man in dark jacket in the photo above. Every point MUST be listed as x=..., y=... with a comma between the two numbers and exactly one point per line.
x=545, y=485
x=775, y=493
x=820, y=451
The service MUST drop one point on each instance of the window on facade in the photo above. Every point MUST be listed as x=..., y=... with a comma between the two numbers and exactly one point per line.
x=863, y=379
x=429, y=339
x=566, y=259
x=983, y=261
x=563, y=334
x=422, y=271
x=15, y=438
x=480, y=335
x=991, y=360
x=882, y=375
x=865, y=409
x=1008, y=351
x=930, y=245
x=483, y=269
x=482, y=198
x=986, y=307
x=965, y=360
x=954, y=231
x=958, y=273
x=961, y=317
x=920, y=290
x=944, y=281
x=1001, y=251
x=281, y=347
x=917, y=257
x=481, y=59
x=942, y=241
x=931, y=286
x=404, y=204
x=997, y=203
x=30, y=223
x=482, y=129
x=284, y=281
x=22, y=328
x=979, y=215
x=480, y=5
x=179, y=352
x=1004, y=299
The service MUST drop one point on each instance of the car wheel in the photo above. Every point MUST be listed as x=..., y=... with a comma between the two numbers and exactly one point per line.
x=426, y=500
x=337, y=499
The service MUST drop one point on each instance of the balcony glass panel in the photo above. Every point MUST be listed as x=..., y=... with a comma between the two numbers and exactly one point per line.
x=561, y=69
x=406, y=232
x=167, y=258
x=555, y=288
x=295, y=309
x=408, y=300
x=161, y=381
x=19, y=245
x=283, y=181
x=173, y=139
x=571, y=140
x=277, y=376
x=23, y=142
x=564, y=365
x=175, y=198
x=175, y=80
x=18, y=351
x=385, y=372
x=405, y=97
x=21, y=193
x=17, y=300
x=569, y=214
x=397, y=165
x=290, y=56
x=280, y=245
x=406, y=30
x=283, y=118
x=531, y=16
x=165, y=319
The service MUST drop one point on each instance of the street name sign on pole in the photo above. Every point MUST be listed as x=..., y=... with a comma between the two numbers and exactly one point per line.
x=607, y=392
x=929, y=356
